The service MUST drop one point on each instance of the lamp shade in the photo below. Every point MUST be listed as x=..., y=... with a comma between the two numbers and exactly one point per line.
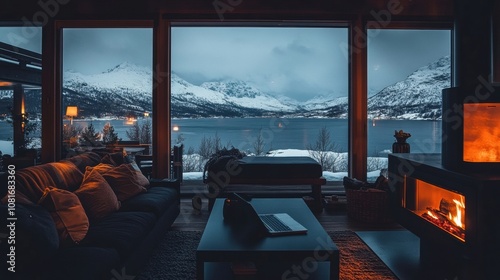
x=72, y=111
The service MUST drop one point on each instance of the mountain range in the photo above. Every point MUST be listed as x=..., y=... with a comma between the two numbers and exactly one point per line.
x=126, y=89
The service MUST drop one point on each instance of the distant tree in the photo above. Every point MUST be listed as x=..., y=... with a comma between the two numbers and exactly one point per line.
x=146, y=132
x=191, y=161
x=109, y=136
x=206, y=149
x=134, y=132
x=323, y=150
x=258, y=144
x=89, y=136
x=140, y=132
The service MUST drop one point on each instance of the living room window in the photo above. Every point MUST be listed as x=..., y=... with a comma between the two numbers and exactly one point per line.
x=107, y=88
x=407, y=70
x=20, y=91
x=264, y=90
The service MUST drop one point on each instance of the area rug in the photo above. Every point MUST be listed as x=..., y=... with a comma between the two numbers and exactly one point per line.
x=175, y=258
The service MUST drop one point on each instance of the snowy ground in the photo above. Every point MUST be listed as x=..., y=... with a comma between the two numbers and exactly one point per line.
x=6, y=147
x=329, y=176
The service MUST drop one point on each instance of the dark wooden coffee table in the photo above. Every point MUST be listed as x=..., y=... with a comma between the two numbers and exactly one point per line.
x=312, y=255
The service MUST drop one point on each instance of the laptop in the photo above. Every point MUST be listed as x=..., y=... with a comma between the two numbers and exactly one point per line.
x=271, y=224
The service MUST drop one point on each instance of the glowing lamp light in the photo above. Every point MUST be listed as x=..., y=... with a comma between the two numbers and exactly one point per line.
x=175, y=128
x=71, y=112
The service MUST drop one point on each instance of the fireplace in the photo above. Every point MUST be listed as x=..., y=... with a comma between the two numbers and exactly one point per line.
x=452, y=200
x=441, y=207
x=454, y=213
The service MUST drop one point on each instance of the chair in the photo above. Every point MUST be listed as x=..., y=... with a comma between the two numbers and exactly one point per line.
x=145, y=163
x=176, y=162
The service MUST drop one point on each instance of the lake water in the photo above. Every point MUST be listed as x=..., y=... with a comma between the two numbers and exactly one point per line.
x=284, y=133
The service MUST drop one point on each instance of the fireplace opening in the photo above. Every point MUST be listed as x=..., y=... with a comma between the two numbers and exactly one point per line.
x=443, y=208
x=481, y=132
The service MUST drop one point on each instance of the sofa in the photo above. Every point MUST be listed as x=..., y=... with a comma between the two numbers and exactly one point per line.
x=91, y=216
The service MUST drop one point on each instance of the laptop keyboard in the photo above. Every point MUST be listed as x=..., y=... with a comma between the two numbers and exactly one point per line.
x=274, y=223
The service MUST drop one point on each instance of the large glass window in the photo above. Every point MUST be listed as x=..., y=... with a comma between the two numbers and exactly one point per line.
x=270, y=91
x=107, y=89
x=407, y=70
x=20, y=91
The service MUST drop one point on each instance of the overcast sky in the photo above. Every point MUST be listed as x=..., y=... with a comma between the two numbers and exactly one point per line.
x=297, y=62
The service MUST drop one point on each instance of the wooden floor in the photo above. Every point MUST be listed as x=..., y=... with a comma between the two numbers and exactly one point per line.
x=331, y=219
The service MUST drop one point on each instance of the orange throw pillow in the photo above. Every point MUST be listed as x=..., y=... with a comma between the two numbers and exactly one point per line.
x=101, y=168
x=72, y=223
x=124, y=181
x=96, y=196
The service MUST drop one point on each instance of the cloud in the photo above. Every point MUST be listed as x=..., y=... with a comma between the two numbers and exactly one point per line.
x=92, y=50
x=297, y=62
x=29, y=38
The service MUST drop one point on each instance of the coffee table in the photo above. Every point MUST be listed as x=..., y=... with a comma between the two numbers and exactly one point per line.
x=312, y=255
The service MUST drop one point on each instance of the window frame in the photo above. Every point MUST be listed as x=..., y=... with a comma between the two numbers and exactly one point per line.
x=357, y=114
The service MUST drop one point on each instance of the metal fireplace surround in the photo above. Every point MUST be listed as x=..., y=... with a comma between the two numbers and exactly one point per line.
x=475, y=252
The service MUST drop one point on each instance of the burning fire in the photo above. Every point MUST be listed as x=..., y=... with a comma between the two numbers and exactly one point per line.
x=429, y=212
x=457, y=220
x=449, y=217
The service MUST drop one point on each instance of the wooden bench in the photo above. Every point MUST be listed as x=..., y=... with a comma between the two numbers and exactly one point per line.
x=262, y=170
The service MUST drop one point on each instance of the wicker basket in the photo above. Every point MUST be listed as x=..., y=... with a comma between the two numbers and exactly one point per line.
x=368, y=205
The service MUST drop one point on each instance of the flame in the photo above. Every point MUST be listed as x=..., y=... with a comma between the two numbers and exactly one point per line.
x=460, y=206
x=432, y=214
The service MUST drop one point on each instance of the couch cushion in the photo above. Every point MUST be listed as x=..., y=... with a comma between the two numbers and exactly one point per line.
x=115, y=159
x=141, y=179
x=82, y=263
x=101, y=168
x=32, y=181
x=124, y=182
x=68, y=214
x=83, y=160
x=155, y=200
x=96, y=196
x=120, y=230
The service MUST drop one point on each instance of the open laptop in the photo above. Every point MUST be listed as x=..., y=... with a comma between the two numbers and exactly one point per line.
x=272, y=224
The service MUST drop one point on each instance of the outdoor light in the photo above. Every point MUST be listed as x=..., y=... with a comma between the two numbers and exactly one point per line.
x=71, y=112
x=130, y=120
x=175, y=128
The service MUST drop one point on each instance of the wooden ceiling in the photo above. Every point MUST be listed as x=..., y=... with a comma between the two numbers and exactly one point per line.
x=36, y=11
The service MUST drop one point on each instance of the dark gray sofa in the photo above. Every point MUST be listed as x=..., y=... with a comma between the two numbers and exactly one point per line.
x=115, y=247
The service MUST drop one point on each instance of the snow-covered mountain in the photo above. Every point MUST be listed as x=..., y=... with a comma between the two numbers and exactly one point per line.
x=419, y=96
x=416, y=97
x=248, y=96
x=127, y=88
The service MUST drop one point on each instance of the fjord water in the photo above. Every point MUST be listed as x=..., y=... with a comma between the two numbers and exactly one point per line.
x=283, y=133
